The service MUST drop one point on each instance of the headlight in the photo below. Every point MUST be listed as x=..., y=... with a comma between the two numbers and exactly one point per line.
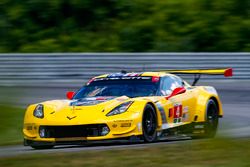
x=120, y=109
x=38, y=112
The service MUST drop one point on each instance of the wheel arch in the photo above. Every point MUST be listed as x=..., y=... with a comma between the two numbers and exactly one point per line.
x=201, y=107
x=152, y=104
x=156, y=111
x=218, y=105
x=150, y=137
x=142, y=103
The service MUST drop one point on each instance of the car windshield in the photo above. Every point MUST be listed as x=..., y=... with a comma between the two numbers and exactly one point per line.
x=130, y=88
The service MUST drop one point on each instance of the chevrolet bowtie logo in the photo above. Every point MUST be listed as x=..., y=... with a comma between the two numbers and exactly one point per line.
x=71, y=117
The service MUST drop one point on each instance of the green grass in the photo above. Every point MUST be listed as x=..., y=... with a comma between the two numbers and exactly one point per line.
x=11, y=121
x=195, y=153
x=203, y=153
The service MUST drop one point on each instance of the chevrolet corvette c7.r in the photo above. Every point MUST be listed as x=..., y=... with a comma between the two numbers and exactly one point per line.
x=146, y=106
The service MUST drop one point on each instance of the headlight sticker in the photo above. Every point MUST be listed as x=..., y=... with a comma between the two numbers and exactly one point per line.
x=120, y=108
x=38, y=111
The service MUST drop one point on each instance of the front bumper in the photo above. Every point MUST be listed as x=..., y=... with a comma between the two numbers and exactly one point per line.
x=57, y=134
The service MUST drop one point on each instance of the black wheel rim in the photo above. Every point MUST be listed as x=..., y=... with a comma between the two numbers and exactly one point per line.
x=149, y=124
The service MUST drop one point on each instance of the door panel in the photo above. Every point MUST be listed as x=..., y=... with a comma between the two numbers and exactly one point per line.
x=179, y=108
x=183, y=107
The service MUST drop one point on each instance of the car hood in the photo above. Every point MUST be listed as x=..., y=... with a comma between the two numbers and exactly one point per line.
x=87, y=110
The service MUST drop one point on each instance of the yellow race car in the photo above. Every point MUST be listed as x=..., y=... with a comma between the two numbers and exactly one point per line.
x=144, y=106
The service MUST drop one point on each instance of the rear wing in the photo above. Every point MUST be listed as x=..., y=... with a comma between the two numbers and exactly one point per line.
x=227, y=72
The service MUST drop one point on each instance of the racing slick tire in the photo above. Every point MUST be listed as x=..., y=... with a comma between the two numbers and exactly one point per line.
x=212, y=121
x=149, y=124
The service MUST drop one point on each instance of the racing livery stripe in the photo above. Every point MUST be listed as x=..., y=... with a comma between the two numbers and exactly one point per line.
x=163, y=114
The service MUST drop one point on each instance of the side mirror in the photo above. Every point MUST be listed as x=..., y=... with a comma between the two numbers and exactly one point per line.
x=70, y=95
x=176, y=91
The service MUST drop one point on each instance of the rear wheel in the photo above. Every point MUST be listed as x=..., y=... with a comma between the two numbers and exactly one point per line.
x=212, y=121
x=149, y=124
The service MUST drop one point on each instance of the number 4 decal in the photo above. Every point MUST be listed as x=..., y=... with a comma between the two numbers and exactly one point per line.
x=176, y=113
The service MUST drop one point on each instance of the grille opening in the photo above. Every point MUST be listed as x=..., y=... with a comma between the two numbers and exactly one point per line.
x=72, y=131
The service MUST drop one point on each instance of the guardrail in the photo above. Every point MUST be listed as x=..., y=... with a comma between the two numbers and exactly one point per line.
x=60, y=69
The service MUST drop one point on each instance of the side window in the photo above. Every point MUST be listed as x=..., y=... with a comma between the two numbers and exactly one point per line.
x=169, y=84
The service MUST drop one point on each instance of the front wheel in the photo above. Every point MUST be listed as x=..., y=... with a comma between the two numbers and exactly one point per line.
x=149, y=124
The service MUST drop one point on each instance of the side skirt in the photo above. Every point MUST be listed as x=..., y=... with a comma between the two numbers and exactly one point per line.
x=188, y=130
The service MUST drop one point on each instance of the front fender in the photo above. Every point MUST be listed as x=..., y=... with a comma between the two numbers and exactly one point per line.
x=139, y=106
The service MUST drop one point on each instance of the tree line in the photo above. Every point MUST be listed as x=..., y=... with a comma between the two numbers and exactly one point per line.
x=124, y=26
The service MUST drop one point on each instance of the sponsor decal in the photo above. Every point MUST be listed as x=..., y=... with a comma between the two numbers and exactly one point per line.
x=176, y=112
x=90, y=101
x=199, y=126
x=114, y=125
x=139, y=127
x=115, y=75
x=77, y=109
x=185, y=116
x=198, y=131
x=29, y=128
x=133, y=74
x=185, y=109
x=164, y=126
x=84, y=103
x=121, y=76
x=123, y=120
x=127, y=124
x=177, y=120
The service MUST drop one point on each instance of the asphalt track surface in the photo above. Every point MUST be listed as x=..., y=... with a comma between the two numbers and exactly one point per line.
x=235, y=97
